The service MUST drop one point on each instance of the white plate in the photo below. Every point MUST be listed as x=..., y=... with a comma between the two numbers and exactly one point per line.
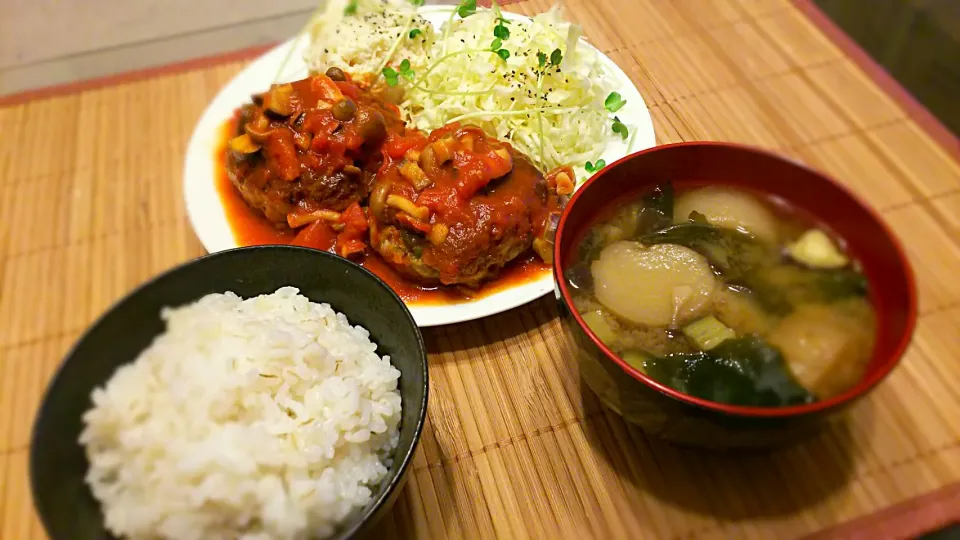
x=209, y=220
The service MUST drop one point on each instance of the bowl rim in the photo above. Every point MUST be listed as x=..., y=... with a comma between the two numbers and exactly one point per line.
x=399, y=470
x=861, y=388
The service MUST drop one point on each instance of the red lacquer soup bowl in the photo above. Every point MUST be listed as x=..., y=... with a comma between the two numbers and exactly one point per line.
x=689, y=420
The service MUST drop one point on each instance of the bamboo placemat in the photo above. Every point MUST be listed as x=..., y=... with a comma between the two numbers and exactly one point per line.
x=514, y=447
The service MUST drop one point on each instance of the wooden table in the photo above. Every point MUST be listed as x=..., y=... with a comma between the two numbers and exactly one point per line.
x=514, y=447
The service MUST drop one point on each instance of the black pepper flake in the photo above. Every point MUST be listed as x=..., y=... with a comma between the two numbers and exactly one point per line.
x=513, y=99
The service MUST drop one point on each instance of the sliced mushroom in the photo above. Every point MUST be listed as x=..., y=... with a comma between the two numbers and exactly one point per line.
x=247, y=114
x=371, y=124
x=242, y=144
x=412, y=172
x=378, y=198
x=404, y=204
x=444, y=149
x=428, y=158
x=302, y=140
x=296, y=122
x=336, y=74
x=344, y=110
x=295, y=220
x=280, y=99
x=437, y=153
x=258, y=128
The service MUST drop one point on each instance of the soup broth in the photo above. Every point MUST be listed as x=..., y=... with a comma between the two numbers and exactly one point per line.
x=726, y=295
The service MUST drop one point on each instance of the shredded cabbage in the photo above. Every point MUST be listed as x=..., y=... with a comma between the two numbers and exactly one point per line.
x=553, y=113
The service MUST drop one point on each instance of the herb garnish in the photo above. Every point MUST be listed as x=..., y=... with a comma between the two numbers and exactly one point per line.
x=620, y=127
x=466, y=8
x=594, y=167
x=554, y=61
x=495, y=47
x=392, y=76
x=405, y=70
x=500, y=30
x=556, y=57
x=614, y=102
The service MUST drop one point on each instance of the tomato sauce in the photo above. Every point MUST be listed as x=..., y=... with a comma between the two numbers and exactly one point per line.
x=250, y=228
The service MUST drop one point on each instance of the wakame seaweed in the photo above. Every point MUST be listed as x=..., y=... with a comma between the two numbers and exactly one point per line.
x=742, y=371
x=590, y=246
x=656, y=211
x=579, y=275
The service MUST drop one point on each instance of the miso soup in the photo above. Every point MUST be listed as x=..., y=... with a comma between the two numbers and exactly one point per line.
x=725, y=295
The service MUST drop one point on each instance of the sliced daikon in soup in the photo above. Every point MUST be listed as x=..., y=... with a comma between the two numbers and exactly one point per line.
x=827, y=346
x=727, y=208
x=659, y=285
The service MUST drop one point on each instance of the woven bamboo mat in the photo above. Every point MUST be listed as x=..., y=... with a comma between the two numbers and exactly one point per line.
x=514, y=447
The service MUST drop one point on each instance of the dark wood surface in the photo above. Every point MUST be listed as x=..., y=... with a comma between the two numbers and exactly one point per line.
x=916, y=41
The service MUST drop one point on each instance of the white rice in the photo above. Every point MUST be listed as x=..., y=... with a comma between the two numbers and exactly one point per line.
x=270, y=417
